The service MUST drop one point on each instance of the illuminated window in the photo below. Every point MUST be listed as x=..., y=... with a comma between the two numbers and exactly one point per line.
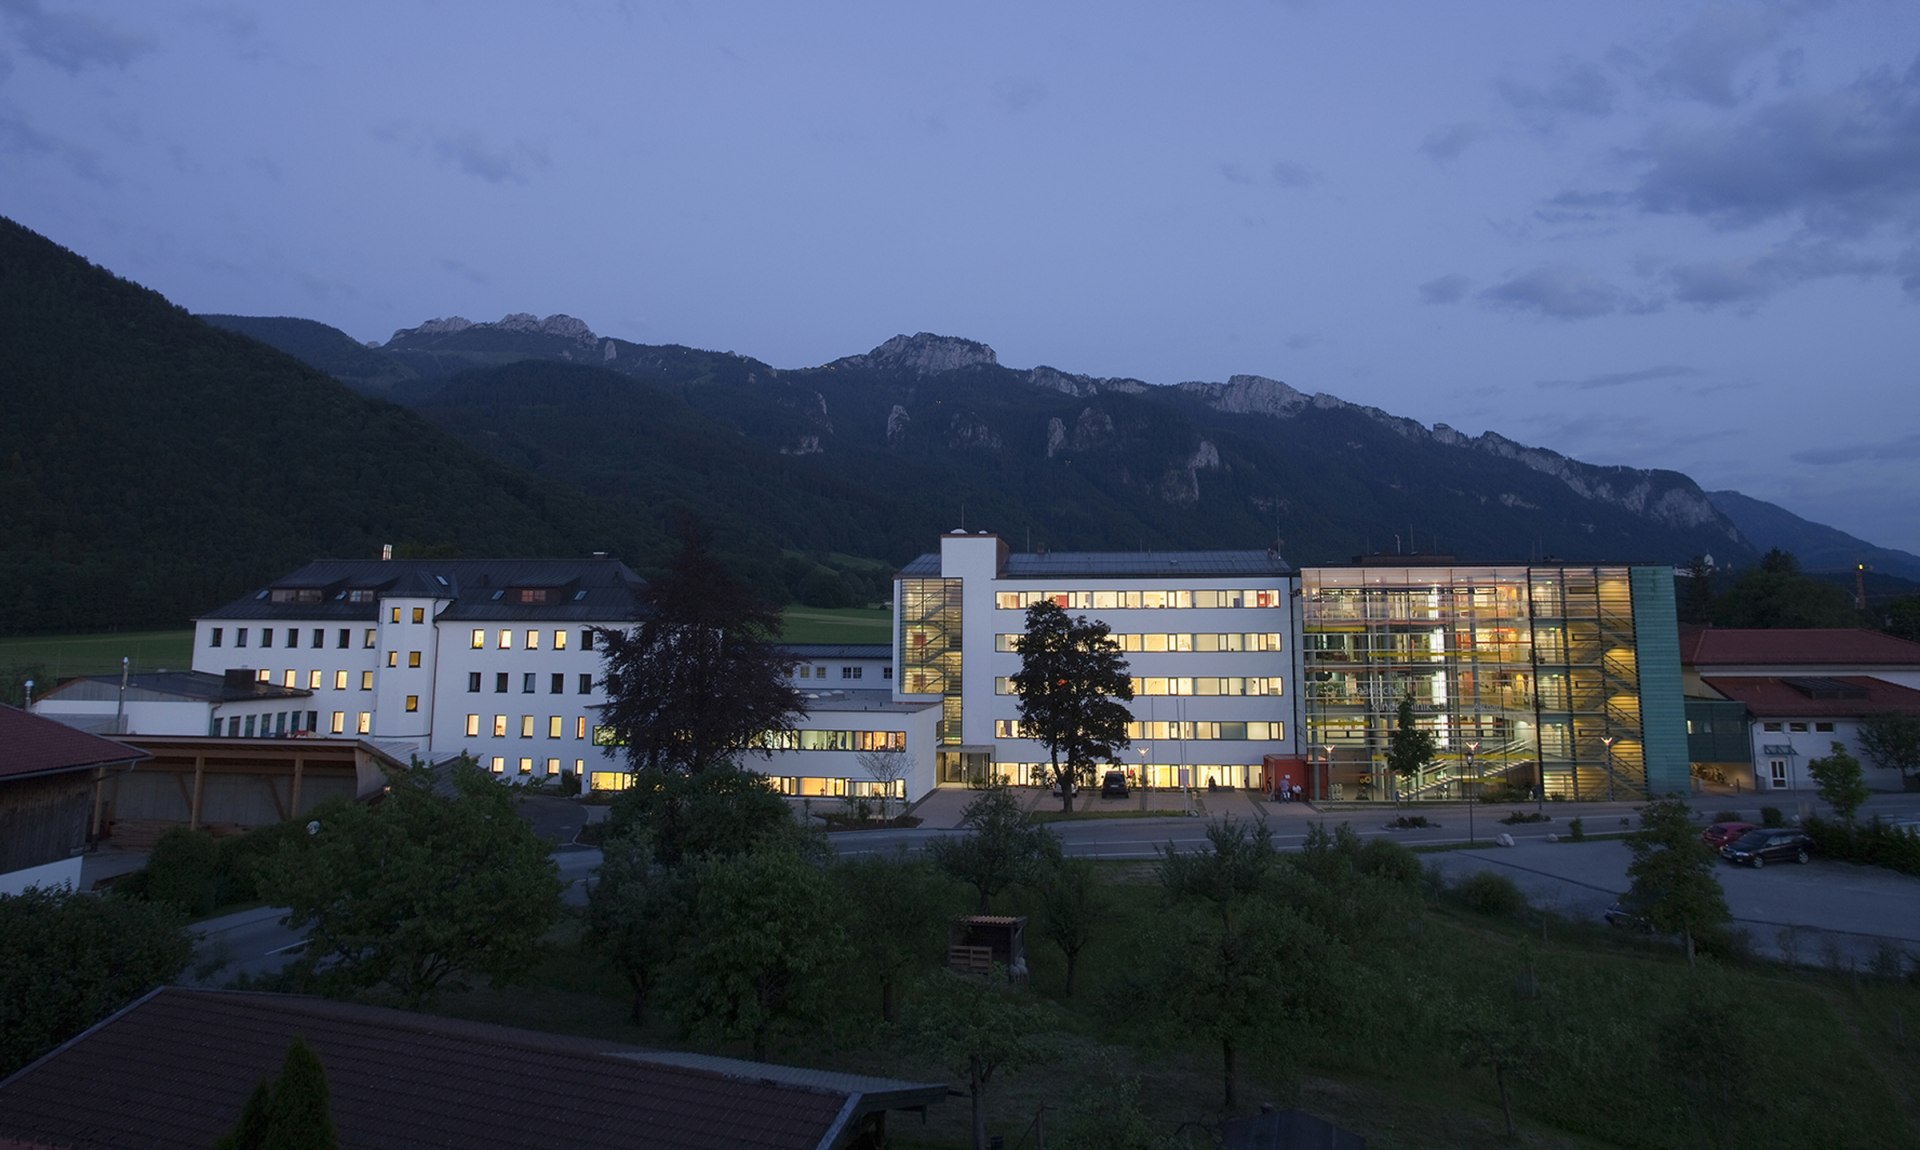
x=526, y=726
x=314, y=679
x=580, y=727
x=559, y=640
x=479, y=638
x=419, y=614
x=366, y=680
x=393, y=658
x=526, y=766
x=291, y=677
x=395, y=616
x=413, y=658
x=473, y=726
x=499, y=726
x=506, y=639
x=413, y=704
x=263, y=675
x=371, y=638
x=339, y=722
x=498, y=764
x=339, y=680
x=533, y=640
x=554, y=727
x=366, y=722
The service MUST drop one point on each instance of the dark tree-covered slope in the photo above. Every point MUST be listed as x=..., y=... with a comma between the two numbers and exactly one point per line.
x=151, y=465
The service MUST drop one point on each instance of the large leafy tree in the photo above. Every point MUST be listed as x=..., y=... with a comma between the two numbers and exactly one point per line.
x=1003, y=845
x=1776, y=594
x=1840, y=781
x=637, y=911
x=418, y=891
x=701, y=679
x=685, y=817
x=1672, y=871
x=897, y=906
x=1071, y=677
x=765, y=949
x=68, y=960
x=1892, y=742
x=979, y=1026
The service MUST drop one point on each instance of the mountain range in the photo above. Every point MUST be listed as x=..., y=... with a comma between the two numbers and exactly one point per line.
x=157, y=462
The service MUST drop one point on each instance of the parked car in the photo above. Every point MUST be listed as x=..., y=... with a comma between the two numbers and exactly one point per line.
x=1904, y=825
x=1763, y=845
x=1071, y=789
x=1113, y=785
x=1718, y=835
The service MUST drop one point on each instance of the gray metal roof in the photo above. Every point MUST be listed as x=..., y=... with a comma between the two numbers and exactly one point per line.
x=155, y=685
x=1124, y=565
x=828, y=702
x=481, y=590
x=839, y=650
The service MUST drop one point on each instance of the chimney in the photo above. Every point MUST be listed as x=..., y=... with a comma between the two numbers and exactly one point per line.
x=386, y=552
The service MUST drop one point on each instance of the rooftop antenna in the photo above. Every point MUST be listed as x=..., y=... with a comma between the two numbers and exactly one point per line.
x=120, y=712
x=29, y=694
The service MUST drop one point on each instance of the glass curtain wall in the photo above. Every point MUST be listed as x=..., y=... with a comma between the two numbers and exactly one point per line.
x=1524, y=676
x=930, y=656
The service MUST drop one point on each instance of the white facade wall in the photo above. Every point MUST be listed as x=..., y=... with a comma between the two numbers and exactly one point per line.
x=1803, y=741
x=831, y=775
x=989, y=706
x=516, y=722
x=346, y=674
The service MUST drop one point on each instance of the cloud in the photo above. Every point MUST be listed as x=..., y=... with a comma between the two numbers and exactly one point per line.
x=1902, y=448
x=1016, y=94
x=1713, y=283
x=1235, y=174
x=1621, y=378
x=466, y=272
x=1302, y=341
x=1450, y=288
x=1288, y=174
x=1839, y=162
x=1703, y=62
x=18, y=137
x=1558, y=291
x=1444, y=145
x=514, y=162
x=71, y=41
x=1576, y=88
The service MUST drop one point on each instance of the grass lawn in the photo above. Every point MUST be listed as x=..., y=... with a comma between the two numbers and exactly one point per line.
x=838, y=625
x=60, y=657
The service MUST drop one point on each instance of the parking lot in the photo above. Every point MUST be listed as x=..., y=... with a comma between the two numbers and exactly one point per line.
x=1826, y=913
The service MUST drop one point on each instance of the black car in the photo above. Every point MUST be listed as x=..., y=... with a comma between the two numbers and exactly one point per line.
x=1759, y=847
x=1113, y=785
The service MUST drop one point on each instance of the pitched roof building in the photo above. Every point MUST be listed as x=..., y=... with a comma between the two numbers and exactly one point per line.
x=50, y=776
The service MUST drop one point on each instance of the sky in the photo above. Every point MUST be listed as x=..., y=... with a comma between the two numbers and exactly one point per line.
x=1653, y=234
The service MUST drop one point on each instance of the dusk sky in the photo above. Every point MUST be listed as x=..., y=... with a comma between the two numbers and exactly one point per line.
x=1654, y=234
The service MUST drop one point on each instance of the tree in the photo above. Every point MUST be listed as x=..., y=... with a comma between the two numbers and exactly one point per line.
x=1410, y=746
x=1776, y=594
x=1503, y=1040
x=1841, y=782
x=636, y=914
x=1696, y=598
x=978, y=1026
x=885, y=768
x=1672, y=870
x=1003, y=846
x=68, y=960
x=1071, y=672
x=418, y=890
x=723, y=810
x=897, y=909
x=1073, y=903
x=288, y=1112
x=701, y=680
x=765, y=948
x=1892, y=741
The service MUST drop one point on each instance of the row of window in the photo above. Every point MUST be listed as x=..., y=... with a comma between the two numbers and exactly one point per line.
x=217, y=637
x=1188, y=729
x=809, y=671
x=1130, y=600
x=817, y=740
x=530, y=681
x=805, y=786
x=503, y=639
x=498, y=765
x=1801, y=727
x=1154, y=642
x=556, y=726
x=419, y=615
x=265, y=726
x=1199, y=685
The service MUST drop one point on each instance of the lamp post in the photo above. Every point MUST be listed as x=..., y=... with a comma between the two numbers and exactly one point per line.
x=1473, y=795
x=1607, y=742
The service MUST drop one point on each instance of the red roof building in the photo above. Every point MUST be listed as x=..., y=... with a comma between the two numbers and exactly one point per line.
x=50, y=776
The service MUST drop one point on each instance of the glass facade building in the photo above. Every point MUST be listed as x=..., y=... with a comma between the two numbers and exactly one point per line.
x=1531, y=680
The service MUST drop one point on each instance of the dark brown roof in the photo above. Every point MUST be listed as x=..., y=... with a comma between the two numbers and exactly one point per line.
x=31, y=745
x=1794, y=646
x=1781, y=698
x=174, y=1070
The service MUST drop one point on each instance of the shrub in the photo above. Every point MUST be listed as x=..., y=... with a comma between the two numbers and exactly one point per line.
x=1389, y=860
x=1527, y=817
x=1873, y=844
x=1727, y=817
x=181, y=871
x=1576, y=830
x=1771, y=817
x=570, y=783
x=1409, y=822
x=1488, y=893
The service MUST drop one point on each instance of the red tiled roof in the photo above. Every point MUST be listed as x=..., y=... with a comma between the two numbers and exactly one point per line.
x=1772, y=698
x=31, y=745
x=1796, y=646
x=175, y=1069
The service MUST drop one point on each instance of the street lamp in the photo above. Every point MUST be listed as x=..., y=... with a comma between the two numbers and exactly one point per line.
x=1473, y=795
x=1607, y=741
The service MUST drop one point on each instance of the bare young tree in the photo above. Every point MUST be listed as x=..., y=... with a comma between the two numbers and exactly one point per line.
x=886, y=767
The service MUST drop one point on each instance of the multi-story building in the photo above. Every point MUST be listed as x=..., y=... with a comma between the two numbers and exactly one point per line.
x=1545, y=681
x=1210, y=639
x=495, y=658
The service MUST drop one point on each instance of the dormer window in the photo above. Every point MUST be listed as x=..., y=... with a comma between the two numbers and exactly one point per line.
x=530, y=595
x=362, y=595
x=295, y=595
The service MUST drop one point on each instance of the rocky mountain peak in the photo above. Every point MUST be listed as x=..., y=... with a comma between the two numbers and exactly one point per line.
x=561, y=326
x=929, y=354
